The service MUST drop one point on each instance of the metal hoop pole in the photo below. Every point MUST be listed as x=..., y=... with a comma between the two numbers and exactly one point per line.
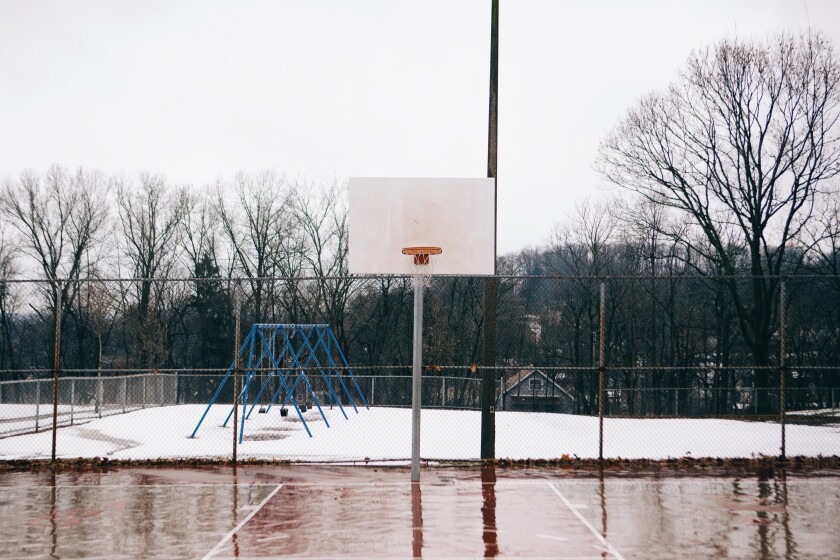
x=416, y=385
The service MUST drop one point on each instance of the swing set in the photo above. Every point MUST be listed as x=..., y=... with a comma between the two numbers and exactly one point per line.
x=285, y=352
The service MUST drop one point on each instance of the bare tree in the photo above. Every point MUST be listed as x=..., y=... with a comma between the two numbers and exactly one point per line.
x=98, y=311
x=255, y=225
x=199, y=232
x=322, y=221
x=739, y=146
x=59, y=218
x=825, y=233
x=151, y=215
x=7, y=271
x=584, y=249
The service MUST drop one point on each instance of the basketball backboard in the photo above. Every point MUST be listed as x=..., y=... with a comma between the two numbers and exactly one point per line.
x=390, y=214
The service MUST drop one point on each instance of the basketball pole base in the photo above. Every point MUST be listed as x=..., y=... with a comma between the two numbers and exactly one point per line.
x=416, y=387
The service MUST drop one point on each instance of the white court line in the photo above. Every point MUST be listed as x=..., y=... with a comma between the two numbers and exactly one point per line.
x=552, y=537
x=589, y=526
x=690, y=479
x=132, y=486
x=242, y=523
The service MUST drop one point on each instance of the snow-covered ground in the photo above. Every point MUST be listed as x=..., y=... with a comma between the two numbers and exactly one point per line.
x=25, y=418
x=384, y=434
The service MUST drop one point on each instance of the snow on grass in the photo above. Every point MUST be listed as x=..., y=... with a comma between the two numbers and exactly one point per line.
x=24, y=418
x=815, y=412
x=385, y=434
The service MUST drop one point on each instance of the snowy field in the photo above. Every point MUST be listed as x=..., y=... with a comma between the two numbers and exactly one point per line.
x=384, y=434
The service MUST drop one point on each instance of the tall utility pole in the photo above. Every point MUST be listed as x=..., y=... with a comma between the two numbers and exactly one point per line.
x=488, y=374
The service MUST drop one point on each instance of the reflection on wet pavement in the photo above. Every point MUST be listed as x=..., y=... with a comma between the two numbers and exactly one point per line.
x=488, y=510
x=107, y=521
x=377, y=513
x=416, y=520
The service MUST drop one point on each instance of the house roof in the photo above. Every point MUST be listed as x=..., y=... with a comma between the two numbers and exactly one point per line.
x=524, y=375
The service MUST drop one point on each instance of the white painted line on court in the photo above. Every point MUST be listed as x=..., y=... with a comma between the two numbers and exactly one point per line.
x=552, y=537
x=242, y=523
x=588, y=525
x=720, y=479
x=176, y=485
x=280, y=537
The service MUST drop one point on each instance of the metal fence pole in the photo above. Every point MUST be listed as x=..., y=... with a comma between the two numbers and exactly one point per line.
x=72, y=401
x=601, y=356
x=372, y=389
x=37, y=404
x=676, y=401
x=125, y=393
x=145, y=378
x=782, y=363
x=100, y=393
x=237, y=314
x=57, y=356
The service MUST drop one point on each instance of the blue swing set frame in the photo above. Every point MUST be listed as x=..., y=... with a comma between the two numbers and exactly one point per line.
x=296, y=345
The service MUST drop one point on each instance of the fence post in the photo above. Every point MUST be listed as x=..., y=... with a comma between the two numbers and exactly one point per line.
x=601, y=355
x=372, y=389
x=145, y=378
x=237, y=314
x=782, y=363
x=72, y=401
x=125, y=393
x=37, y=404
x=676, y=401
x=57, y=356
x=100, y=393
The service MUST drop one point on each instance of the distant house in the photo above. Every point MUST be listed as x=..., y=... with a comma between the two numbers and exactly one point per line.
x=531, y=390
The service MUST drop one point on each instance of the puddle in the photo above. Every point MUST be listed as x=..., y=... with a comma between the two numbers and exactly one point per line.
x=375, y=512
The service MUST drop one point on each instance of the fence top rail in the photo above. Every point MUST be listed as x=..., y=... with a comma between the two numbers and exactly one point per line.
x=436, y=371
x=290, y=325
x=122, y=375
x=428, y=370
x=569, y=276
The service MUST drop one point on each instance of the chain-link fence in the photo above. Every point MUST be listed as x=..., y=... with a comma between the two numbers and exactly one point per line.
x=621, y=366
x=27, y=405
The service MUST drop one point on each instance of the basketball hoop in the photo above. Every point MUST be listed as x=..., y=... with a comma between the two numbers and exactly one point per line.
x=420, y=263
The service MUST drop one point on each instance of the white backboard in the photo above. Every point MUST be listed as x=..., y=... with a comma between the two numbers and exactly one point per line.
x=388, y=214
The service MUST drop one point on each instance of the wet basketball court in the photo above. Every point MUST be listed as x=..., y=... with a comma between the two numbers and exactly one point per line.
x=369, y=512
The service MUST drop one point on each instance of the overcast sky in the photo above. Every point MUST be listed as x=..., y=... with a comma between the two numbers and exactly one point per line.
x=332, y=89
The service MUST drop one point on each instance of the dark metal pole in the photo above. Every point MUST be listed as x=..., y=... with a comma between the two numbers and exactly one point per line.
x=601, y=356
x=236, y=364
x=782, y=364
x=56, y=362
x=488, y=374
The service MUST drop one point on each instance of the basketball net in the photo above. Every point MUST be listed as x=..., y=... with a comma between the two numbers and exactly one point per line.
x=421, y=264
